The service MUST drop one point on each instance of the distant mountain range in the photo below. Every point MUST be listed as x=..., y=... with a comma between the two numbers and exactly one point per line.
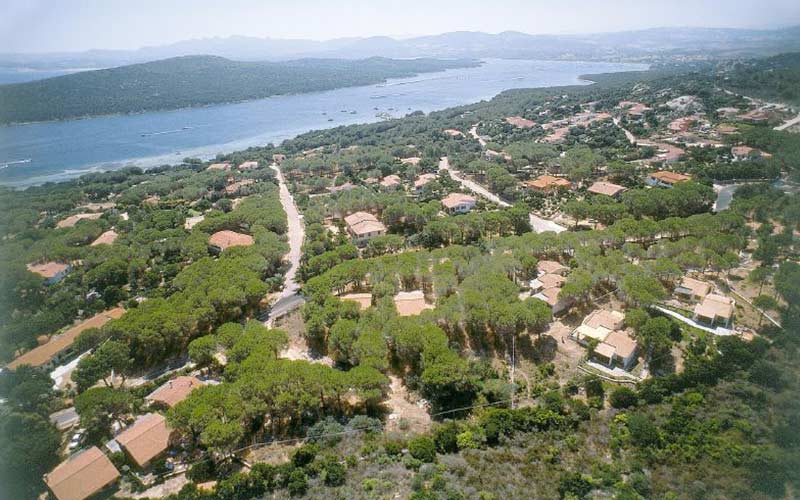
x=196, y=81
x=643, y=45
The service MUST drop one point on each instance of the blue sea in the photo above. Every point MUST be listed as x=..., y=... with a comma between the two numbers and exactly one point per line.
x=43, y=152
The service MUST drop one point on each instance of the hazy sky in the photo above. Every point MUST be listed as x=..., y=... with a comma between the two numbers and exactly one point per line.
x=68, y=25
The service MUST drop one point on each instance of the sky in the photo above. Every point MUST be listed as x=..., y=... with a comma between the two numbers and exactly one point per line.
x=77, y=25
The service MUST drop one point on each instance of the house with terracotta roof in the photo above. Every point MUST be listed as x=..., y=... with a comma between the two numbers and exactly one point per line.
x=220, y=166
x=411, y=303
x=692, y=290
x=235, y=187
x=248, y=165
x=618, y=348
x=607, y=189
x=597, y=326
x=107, y=238
x=453, y=132
x=363, y=226
x=145, y=439
x=82, y=475
x=364, y=300
x=74, y=219
x=552, y=297
x=52, y=272
x=633, y=108
x=59, y=347
x=551, y=267
x=545, y=281
x=740, y=153
x=174, y=391
x=520, y=122
x=665, y=178
x=547, y=184
x=458, y=203
x=715, y=310
x=278, y=158
x=391, y=181
x=422, y=181
x=222, y=240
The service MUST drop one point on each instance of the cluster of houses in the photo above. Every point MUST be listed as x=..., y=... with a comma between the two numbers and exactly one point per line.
x=90, y=471
x=612, y=344
x=711, y=309
x=547, y=284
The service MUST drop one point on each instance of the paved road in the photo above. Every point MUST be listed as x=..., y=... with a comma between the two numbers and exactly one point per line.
x=628, y=134
x=474, y=133
x=789, y=123
x=444, y=164
x=289, y=298
x=540, y=225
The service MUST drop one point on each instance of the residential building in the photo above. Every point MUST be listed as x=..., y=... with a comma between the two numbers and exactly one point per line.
x=715, y=310
x=551, y=267
x=174, y=391
x=520, y=122
x=278, y=158
x=665, y=178
x=82, y=475
x=363, y=226
x=60, y=347
x=347, y=186
x=412, y=160
x=458, y=203
x=552, y=297
x=74, y=219
x=219, y=166
x=545, y=281
x=740, y=153
x=423, y=181
x=66, y=418
x=223, y=240
x=453, y=132
x=235, y=187
x=548, y=183
x=146, y=439
x=248, y=165
x=52, y=272
x=607, y=188
x=618, y=348
x=391, y=181
x=598, y=325
x=693, y=290
x=107, y=238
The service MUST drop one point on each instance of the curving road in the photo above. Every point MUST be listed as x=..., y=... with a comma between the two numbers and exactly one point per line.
x=289, y=298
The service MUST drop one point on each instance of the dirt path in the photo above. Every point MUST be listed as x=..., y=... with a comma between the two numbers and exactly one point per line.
x=444, y=164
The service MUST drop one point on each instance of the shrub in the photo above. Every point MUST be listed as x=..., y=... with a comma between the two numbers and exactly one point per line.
x=304, y=455
x=333, y=473
x=202, y=471
x=594, y=387
x=422, y=448
x=445, y=437
x=623, y=397
x=393, y=447
x=327, y=432
x=574, y=484
x=298, y=483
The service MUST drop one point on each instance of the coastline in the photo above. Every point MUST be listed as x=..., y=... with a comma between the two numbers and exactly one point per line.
x=479, y=62
x=210, y=150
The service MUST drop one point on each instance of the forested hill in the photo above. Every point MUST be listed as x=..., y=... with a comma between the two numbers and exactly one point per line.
x=195, y=81
x=771, y=78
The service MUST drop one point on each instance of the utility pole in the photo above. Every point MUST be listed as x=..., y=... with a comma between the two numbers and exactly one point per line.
x=513, y=364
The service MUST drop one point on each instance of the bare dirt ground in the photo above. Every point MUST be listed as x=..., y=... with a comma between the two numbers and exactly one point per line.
x=168, y=487
x=298, y=347
x=275, y=454
x=568, y=354
x=405, y=410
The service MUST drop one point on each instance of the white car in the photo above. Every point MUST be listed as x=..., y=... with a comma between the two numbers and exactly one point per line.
x=76, y=440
